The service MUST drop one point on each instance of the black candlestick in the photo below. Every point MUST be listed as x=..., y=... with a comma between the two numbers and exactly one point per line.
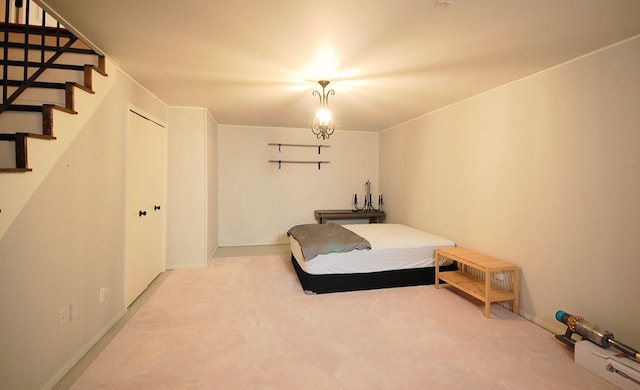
x=368, y=202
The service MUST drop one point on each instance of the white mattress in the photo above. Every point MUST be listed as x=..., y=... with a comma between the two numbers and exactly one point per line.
x=393, y=247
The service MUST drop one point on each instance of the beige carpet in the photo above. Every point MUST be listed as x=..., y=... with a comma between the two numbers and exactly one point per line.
x=244, y=323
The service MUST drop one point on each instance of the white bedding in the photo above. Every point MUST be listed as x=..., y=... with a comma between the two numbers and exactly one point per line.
x=393, y=247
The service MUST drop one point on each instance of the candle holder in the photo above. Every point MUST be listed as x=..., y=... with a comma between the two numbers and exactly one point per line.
x=368, y=202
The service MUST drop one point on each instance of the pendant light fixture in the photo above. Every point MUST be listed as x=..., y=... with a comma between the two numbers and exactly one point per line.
x=323, y=125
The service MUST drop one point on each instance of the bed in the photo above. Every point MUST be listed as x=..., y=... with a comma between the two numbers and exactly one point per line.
x=398, y=256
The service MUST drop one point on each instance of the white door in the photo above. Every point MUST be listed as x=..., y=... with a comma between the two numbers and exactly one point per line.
x=145, y=219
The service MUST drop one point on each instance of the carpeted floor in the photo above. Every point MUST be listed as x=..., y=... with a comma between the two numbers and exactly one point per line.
x=244, y=323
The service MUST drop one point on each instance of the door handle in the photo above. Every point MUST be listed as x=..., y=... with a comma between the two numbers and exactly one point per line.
x=142, y=213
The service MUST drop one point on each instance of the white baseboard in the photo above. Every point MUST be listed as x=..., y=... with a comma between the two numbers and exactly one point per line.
x=83, y=351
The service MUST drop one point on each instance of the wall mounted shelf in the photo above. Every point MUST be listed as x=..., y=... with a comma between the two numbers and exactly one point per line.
x=280, y=162
x=280, y=145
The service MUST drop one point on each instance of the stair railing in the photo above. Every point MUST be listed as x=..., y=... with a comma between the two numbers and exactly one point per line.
x=38, y=31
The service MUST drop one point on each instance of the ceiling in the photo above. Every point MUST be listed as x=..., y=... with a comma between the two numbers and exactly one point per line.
x=257, y=62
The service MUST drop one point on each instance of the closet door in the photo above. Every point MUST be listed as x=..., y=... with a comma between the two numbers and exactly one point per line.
x=145, y=219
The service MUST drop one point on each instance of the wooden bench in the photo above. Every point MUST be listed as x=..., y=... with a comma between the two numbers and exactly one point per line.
x=481, y=289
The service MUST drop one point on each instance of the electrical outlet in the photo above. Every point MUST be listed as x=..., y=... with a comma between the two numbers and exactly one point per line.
x=102, y=293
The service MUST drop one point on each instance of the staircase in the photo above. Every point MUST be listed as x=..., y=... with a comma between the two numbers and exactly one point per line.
x=49, y=77
x=43, y=67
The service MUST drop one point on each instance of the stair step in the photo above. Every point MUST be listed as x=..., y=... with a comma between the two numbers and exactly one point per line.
x=53, y=66
x=20, y=140
x=98, y=69
x=24, y=108
x=15, y=170
x=31, y=46
x=37, y=30
x=34, y=108
x=37, y=84
x=48, y=85
x=82, y=87
x=13, y=136
x=62, y=108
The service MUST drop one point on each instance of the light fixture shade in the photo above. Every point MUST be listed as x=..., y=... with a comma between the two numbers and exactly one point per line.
x=323, y=125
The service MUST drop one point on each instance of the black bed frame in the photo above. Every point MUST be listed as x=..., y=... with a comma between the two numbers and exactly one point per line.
x=329, y=283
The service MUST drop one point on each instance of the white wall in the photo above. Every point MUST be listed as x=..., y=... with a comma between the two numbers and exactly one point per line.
x=65, y=245
x=543, y=172
x=192, y=197
x=258, y=202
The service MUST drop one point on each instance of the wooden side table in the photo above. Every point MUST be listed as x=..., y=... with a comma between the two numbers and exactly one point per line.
x=372, y=215
x=476, y=287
